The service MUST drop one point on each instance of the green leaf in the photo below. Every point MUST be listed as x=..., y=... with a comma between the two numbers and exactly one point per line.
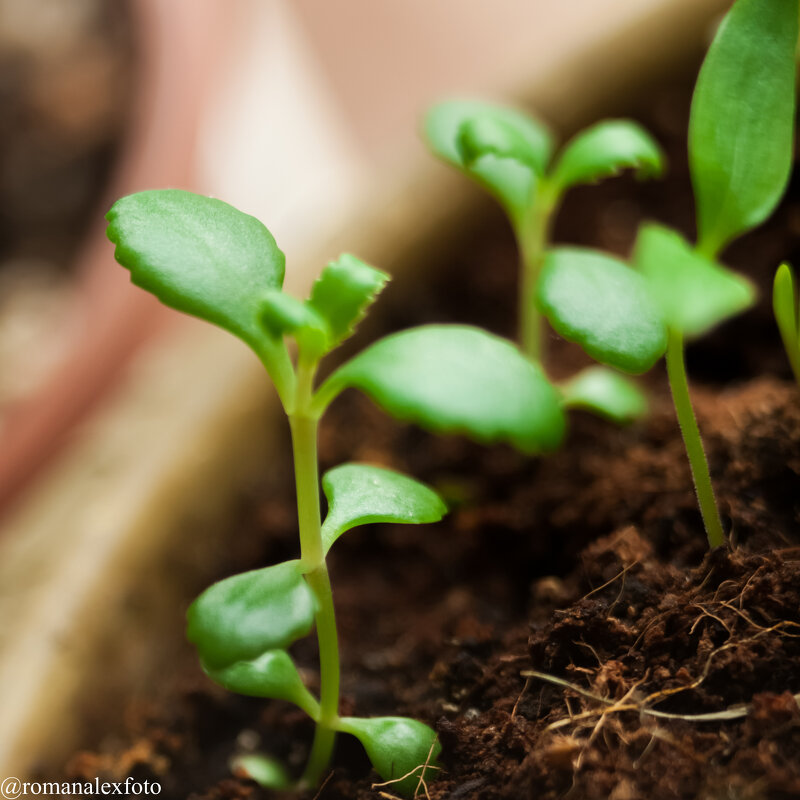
x=359, y=494
x=282, y=314
x=198, y=255
x=265, y=771
x=606, y=393
x=509, y=179
x=493, y=136
x=606, y=149
x=242, y=617
x=457, y=379
x=397, y=747
x=742, y=120
x=694, y=293
x=344, y=291
x=603, y=305
x=784, y=305
x=272, y=674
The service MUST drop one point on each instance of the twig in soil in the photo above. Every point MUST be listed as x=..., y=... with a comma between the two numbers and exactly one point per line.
x=323, y=785
x=609, y=582
x=516, y=703
x=706, y=613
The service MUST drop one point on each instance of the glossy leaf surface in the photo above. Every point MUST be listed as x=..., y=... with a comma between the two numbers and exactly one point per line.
x=694, y=293
x=461, y=380
x=198, y=255
x=359, y=494
x=241, y=617
x=603, y=305
x=606, y=393
x=272, y=674
x=511, y=180
x=397, y=746
x=344, y=291
x=742, y=120
x=607, y=149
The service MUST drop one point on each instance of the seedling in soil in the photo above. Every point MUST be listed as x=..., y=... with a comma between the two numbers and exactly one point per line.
x=510, y=154
x=203, y=257
x=740, y=152
x=787, y=315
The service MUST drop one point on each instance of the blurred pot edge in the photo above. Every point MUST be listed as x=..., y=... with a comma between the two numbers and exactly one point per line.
x=191, y=423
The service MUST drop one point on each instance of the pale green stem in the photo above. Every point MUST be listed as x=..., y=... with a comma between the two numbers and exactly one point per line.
x=532, y=233
x=676, y=370
x=304, y=424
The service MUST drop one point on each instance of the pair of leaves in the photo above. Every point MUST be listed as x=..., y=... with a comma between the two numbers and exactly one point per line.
x=787, y=315
x=621, y=316
x=509, y=152
x=339, y=299
x=741, y=128
x=201, y=256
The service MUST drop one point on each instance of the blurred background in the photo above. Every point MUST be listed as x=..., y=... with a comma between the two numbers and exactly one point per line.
x=294, y=111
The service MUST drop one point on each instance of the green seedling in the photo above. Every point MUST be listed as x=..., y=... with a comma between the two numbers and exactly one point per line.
x=205, y=258
x=510, y=154
x=740, y=149
x=787, y=315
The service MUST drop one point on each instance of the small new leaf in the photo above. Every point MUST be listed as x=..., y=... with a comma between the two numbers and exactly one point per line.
x=460, y=380
x=397, y=747
x=606, y=149
x=344, y=291
x=239, y=618
x=456, y=129
x=282, y=314
x=272, y=674
x=741, y=128
x=603, y=305
x=359, y=494
x=787, y=315
x=606, y=393
x=694, y=293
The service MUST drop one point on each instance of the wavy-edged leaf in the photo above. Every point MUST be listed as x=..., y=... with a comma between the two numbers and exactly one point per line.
x=741, y=128
x=272, y=674
x=198, y=255
x=694, y=293
x=241, y=617
x=359, y=494
x=509, y=179
x=784, y=305
x=397, y=747
x=606, y=393
x=606, y=149
x=457, y=379
x=282, y=314
x=604, y=306
x=343, y=292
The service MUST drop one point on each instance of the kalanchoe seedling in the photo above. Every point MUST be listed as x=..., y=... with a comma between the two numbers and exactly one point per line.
x=203, y=257
x=510, y=154
x=787, y=315
x=740, y=150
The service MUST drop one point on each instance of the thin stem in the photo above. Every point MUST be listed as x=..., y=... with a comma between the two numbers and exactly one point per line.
x=304, y=424
x=532, y=233
x=676, y=370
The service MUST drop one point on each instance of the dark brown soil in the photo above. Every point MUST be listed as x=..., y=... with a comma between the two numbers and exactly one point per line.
x=589, y=566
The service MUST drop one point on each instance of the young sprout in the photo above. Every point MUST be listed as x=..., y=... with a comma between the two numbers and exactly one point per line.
x=205, y=258
x=787, y=315
x=509, y=153
x=740, y=148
